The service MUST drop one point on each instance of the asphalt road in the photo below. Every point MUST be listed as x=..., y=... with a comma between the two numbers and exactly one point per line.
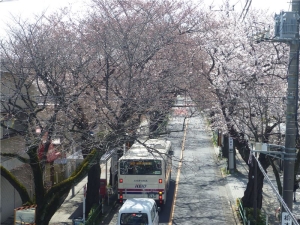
x=200, y=194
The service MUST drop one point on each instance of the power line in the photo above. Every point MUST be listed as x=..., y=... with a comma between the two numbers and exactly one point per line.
x=245, y=9
x=275, y=191
x=227, y=10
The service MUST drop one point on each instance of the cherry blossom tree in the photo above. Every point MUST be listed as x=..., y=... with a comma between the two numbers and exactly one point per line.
x=248, y=79
x=139, y=61
x=100, y=74
x=41, y=87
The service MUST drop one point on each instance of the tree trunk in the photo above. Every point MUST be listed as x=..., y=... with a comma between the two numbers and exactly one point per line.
x=276, y=173
x=50, y=201
x=248, y=199
x=20, y=188
x=93, y=186
x=52, y=172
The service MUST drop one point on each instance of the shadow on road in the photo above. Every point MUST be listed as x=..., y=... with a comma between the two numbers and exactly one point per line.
x=164, y=215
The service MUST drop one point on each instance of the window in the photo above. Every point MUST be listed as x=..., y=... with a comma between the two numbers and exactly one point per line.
x=134, y=219
x=144, y=167
x=153, y=212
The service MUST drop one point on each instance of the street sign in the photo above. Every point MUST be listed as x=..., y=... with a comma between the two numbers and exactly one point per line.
x=286, y=219
x=230, y=154
x=230, y=140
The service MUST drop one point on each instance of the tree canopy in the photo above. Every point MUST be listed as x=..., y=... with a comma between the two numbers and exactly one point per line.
x=88, y=81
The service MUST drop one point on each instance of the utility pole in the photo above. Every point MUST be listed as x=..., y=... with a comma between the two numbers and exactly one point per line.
x=255, y=190
x=291, y=114
x=287, y=31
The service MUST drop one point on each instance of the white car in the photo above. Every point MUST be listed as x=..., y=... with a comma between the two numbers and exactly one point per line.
x=138, y=211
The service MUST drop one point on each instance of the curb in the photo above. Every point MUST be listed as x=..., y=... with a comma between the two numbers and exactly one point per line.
x=107, y=213
x=236, y=216
x=230, y=203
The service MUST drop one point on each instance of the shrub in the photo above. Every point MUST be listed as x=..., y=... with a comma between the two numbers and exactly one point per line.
x=261, y=217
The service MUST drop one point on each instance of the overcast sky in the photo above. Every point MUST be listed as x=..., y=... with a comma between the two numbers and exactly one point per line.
x=275, y=6
x=26, y=8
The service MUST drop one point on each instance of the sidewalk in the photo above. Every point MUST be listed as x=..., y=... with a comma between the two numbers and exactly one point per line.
x=72, y=207
x=236, y=185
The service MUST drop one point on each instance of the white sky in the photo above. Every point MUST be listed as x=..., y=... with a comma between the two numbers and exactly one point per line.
x=26, y=8
x=274, y=6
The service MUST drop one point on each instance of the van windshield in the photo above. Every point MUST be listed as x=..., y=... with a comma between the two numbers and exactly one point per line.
x=134, y=219
x=140, y=167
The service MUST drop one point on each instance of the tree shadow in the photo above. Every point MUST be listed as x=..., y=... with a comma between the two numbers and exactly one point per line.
x=78, y=213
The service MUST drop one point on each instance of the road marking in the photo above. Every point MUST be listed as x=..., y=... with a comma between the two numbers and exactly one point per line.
x=178, y=174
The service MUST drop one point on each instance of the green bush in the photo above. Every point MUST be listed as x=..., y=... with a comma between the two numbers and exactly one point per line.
x=93, y=215
x=261, y=217
x=215, y=138
x=225, y=171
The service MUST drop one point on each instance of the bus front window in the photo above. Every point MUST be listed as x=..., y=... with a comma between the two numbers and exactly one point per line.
x=145, y=167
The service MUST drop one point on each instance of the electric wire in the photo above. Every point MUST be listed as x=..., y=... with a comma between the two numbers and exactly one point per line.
x=280, y=199
x=245, y=9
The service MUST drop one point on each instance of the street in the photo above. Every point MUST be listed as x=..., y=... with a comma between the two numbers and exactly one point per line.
x=200, y=195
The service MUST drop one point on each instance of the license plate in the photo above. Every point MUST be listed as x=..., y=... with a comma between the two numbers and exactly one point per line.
x=151, y=195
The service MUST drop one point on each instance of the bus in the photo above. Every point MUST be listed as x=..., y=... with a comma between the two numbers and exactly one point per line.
x=144, y=171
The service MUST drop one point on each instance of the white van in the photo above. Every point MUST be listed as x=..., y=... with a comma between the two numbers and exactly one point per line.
x=138, y=211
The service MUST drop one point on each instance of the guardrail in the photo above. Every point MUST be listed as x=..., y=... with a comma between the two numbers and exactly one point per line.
x=249, y=221
x=92, y=218
x=242, y=212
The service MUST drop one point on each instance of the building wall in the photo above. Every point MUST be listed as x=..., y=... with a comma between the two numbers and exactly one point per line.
x=10, y=199
x=8, y=88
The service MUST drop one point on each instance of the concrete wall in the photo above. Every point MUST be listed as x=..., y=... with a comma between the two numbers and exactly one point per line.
x=10, y=199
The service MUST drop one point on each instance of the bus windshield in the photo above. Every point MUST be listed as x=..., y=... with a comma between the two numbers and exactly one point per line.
x=140, y=167
x=134, y=219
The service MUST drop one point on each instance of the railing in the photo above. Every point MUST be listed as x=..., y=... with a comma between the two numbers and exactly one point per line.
x=93, y=215
x=247, y=221
x=98, y=210
x=242, y=212
x=92, y=219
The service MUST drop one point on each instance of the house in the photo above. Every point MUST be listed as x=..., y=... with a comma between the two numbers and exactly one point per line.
x=11, y=143
x=8, y=115
x=14, y=125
